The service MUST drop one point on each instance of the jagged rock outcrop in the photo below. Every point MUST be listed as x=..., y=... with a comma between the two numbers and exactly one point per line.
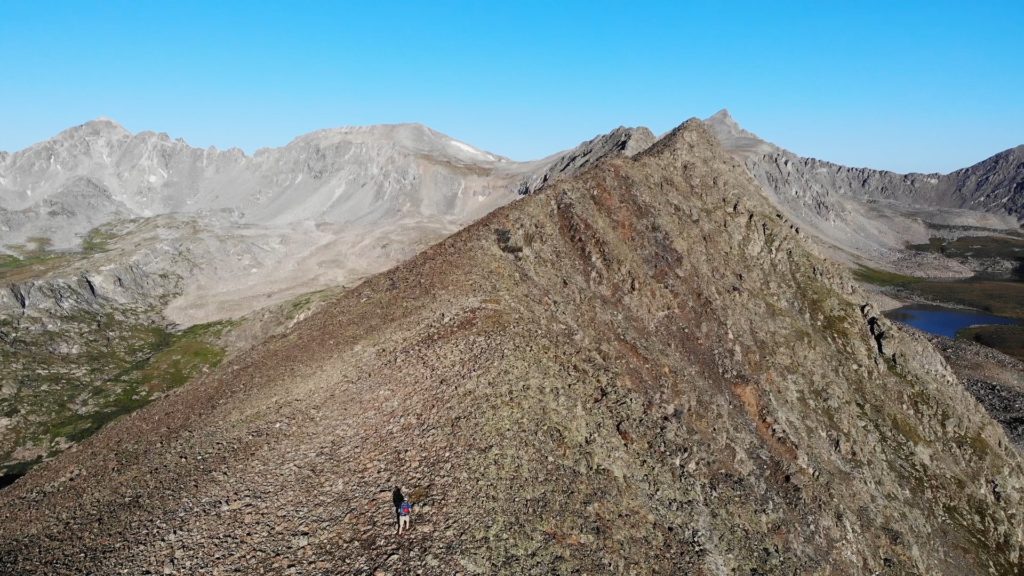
x=122, y=285
x=621, y=141
x=642, y=368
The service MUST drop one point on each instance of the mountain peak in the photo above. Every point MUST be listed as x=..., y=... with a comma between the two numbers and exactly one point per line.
x=101, y=126
x=724, y=117
x=733, y=137
x=684, y=137
x=722, y=121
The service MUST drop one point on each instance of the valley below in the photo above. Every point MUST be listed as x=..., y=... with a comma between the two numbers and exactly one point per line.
x=987, y=306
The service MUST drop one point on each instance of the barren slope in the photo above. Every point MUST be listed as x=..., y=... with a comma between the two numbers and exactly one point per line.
x=639, y=370
x=871, y=215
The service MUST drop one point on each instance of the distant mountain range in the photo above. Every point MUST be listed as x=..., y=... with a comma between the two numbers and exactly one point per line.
x=381, y=177
x=330, y=207
x=872, y=214
x=99, y=171
x=994, y=185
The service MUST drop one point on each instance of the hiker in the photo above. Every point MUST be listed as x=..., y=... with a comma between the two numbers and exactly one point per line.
x=397, y=498
x=404, y=511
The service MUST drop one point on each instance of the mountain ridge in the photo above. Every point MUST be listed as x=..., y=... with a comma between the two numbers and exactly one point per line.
x=918, y=184
x=648, y=336
x=147, y=163
x=868, y=217
x=725, y=124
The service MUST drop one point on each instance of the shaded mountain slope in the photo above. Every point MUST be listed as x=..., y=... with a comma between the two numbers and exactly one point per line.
x=641, y=369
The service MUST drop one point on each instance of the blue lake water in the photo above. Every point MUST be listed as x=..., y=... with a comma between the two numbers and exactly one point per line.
x=943, y=321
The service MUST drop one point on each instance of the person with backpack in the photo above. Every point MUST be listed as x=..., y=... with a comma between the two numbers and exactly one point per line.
x=404, y=512
x=397, y=498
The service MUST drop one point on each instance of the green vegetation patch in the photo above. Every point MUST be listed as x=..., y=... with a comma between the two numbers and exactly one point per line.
x=305, y=302
x=1007, y=339
x=1004, y=298
x=38, y=245
x=187, y=354
x=18, y=269
x=97, y=240
x=884, y=277
x=30, y=259
x=36, y=257
x=97, y=367
x=1007, y=248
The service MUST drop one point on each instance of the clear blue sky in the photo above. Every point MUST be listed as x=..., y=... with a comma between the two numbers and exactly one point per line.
x=908, y=86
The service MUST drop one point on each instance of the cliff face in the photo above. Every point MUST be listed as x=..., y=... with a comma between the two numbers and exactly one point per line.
x=643, y=368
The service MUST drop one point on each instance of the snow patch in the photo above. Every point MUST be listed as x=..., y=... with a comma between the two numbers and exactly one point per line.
x=472, y=151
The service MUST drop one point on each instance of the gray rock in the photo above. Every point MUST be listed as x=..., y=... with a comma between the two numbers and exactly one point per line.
x=871, y=215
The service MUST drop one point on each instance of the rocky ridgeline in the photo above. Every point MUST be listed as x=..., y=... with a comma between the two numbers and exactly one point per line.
x=621, y=141
x=994, y=185
x=874, y=214
x=643, y=368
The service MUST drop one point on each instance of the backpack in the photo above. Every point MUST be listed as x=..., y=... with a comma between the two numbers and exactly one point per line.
x=405, y=509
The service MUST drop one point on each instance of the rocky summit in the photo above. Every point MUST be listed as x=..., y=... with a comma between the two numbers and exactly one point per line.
x=641, y=369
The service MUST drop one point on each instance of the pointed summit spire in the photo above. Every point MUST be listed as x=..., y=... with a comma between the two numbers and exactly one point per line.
x=732, y=136
x=724, y=119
